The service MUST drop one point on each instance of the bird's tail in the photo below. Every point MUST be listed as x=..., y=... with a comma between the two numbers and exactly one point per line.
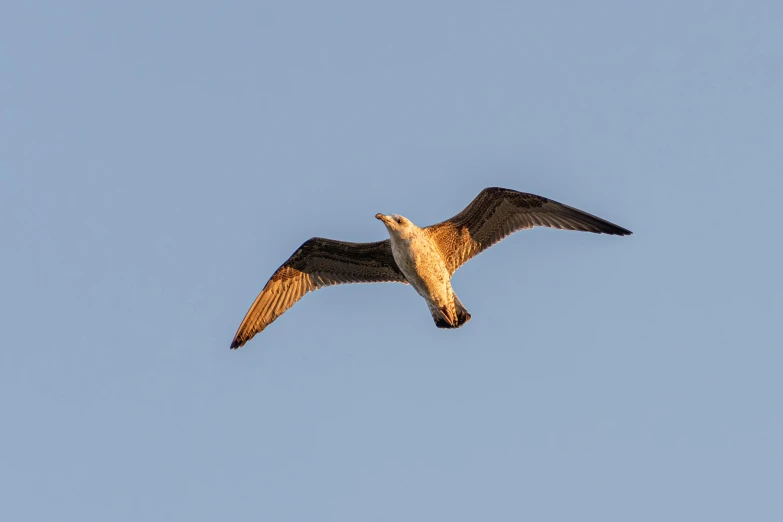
x=462, y=314
x=447, y=318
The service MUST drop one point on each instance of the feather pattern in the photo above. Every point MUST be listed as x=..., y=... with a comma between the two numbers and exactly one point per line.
x=319, y=262
x=497, y=212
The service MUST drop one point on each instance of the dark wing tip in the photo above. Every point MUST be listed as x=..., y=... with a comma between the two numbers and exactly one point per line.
x=616, y=230
x=590, y=222
x=236, y=343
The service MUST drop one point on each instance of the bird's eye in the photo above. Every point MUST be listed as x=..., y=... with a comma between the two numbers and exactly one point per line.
x=399, y=220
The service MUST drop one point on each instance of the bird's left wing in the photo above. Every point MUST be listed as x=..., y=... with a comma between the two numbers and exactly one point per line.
x=317, y=263
x=497, y=212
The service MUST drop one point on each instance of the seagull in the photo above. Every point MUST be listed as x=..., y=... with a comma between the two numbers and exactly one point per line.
x=425, y=258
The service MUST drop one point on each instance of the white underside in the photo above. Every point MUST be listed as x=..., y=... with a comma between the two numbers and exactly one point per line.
x=424, y=268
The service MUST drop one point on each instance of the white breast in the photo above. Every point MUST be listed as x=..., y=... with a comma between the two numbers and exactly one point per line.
x=423, y=266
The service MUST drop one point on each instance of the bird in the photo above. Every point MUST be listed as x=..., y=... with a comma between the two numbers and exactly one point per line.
x=426, y=258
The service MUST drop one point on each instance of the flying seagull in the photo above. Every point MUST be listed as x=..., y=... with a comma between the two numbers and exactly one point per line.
x=425, y=258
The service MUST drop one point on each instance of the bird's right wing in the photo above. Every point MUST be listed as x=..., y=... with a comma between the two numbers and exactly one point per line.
x=317, y=263
x=497, y=212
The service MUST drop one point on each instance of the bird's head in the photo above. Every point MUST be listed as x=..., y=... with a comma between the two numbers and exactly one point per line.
x=397, y=225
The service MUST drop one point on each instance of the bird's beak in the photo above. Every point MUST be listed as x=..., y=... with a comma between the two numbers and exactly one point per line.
x=382, y=218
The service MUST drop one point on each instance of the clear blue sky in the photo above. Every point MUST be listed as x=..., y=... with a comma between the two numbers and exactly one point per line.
x=159, y=160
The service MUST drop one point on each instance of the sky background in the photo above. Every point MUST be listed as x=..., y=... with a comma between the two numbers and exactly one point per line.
x=159, y=160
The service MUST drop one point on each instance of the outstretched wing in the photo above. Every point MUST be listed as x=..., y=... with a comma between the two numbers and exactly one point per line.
x=497, y=212
x=317, y=263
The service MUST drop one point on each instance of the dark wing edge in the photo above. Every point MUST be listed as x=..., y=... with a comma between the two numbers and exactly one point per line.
x=497, y=212
x=319, y=262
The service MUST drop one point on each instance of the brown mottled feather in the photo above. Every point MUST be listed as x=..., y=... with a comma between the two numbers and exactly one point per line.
x=497, y=212
x=317, y=263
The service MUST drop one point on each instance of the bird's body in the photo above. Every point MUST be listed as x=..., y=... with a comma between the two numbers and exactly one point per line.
x=423, y=266
x=425, y=258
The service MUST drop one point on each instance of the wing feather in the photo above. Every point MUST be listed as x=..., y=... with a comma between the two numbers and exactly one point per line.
x=319, y=262
x=497, y=212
